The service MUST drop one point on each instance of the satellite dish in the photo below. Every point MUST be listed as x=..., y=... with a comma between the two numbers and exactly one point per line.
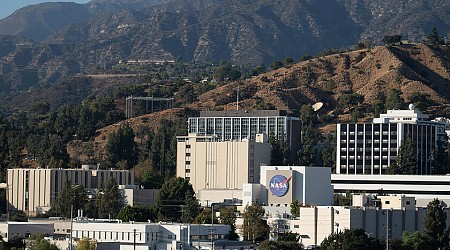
x=317, y=106
x=411, y=107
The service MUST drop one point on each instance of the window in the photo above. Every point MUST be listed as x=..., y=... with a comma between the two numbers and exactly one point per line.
x=296, y=226
x=408, y=203
x=387, y=202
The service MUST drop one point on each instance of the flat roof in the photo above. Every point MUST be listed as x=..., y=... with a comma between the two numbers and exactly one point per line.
x=243, y=113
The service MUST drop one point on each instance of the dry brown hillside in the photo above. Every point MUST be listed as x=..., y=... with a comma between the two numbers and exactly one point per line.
x=370, y=73
x=410, y=68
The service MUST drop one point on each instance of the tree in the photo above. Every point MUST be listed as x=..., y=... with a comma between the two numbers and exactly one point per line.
x=280, y=245
x=110, y=200
x=414, y=241
x=171, y=198
x=39, y=243
x=70, y=195
x=228, y=217
x=121, y=147
x=151, y=179
x=307, y=115
x=308, y=148
x=405, y=162
x=255, y=227
x=86, y=244
x=137, y=213
x=17, y=216
x=394, y=99
x=421, y=100
x=204, y=217
x=349, y=101
x=289, y=236
x=389, y=40
x=434, y=224
x=329, y=152
x=351, y=239
x=190, y=208
x=295, y=208
x=276, y=65
x=280, y=151
x=433, y=37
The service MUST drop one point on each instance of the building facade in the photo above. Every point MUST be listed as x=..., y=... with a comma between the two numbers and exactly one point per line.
x=423, y=188
x=317, y=223
x=372, y=148
x=209, y=163
x=34, y=190
x=238, y=125
x=281, y=185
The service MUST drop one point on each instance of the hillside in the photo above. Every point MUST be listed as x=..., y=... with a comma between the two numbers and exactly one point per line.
x=410, y=68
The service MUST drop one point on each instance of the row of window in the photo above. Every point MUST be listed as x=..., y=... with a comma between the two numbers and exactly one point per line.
x=98, y=235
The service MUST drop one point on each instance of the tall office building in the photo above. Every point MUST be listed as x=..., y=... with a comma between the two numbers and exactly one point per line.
x=245, y=124
x=34, y=190
x=209, y=163
x=372, y=148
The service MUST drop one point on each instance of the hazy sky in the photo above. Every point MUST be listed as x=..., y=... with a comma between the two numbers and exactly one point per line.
x=7, y=7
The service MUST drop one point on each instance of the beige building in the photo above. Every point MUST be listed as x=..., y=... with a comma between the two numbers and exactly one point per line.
x=212, y=164
x=34, y=190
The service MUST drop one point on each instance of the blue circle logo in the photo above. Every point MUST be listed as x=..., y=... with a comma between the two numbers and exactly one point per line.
x=279, y=185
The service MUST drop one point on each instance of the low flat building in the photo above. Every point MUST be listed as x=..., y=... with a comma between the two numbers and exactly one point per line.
x=134, y=195
x=21, y=230
x=115, y=235
x=423, y=188
x=317, y=223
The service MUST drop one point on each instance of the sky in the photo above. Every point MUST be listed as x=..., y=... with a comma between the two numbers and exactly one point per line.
x=7, y=7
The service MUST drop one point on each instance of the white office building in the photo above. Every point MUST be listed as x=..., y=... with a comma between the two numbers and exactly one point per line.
x=372, y=148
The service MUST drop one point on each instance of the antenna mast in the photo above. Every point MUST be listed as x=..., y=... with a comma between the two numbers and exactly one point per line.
x=237, y=97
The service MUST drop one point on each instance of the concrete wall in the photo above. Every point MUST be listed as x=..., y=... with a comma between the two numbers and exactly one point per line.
x=210, y=164
x=33, y=190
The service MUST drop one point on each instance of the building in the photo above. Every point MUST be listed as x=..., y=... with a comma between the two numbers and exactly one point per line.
x=115, y=235
x=134, y=195
x=211, y=164
x=34, y=190
x=238, y=125
x=281, y=185
x=370, y=149
x=317, y=223
x=423, y=188
x=20, y=230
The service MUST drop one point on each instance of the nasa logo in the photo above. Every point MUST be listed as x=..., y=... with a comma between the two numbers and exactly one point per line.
x=279, y=185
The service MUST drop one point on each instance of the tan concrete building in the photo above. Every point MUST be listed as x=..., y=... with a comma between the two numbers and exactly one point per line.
x=212, y=164
x=34, y=190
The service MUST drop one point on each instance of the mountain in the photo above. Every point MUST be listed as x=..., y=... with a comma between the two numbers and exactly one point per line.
x=39, y=21
x=240, y=31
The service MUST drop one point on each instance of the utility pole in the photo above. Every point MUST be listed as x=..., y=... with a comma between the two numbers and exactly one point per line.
x=212, y=226
x=71, y=227
x=237, y=96
x=387, y=229
x=134, y=239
